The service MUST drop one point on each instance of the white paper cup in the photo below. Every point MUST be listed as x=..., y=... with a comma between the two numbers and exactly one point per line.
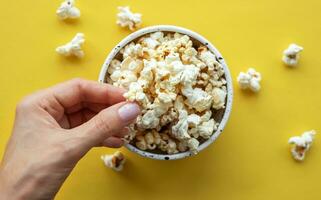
x=196, y=38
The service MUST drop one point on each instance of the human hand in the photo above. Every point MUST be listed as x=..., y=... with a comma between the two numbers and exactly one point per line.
x=54, y=128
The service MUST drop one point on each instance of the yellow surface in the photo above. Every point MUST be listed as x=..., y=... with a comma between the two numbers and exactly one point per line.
x=250, y=160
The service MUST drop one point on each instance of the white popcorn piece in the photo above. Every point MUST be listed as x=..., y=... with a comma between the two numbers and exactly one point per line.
x=207, y=116
x=179, y=103
x=291, y=55
x=150, y=120
x=193, y=145
x=189, y=55
x=132, y=50
x=115, y=65
x=251, y=79
x=67, y=10
x=206, y=129
x=73, y=48
x=150, y=43
x=177, y=87
x=189, y=75
x=146, y=76
x=193, y=120
x=301, y=144
x=179, y=130
x=131, y=64
x=115, y=161
x=197, y=98
x=123, y=78
x=208, y=58
x=125, y=18
x=168, y=118
x=136, y=93
x=219, y=96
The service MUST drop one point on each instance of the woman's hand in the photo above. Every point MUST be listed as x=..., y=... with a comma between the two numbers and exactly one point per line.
x=54, y=129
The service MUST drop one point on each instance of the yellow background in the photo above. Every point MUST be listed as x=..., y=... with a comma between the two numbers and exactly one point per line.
x=250, y=160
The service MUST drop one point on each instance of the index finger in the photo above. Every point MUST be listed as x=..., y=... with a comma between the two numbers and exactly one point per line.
x=76, y=91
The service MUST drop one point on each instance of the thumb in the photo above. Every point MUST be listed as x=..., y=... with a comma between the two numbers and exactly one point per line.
x=109, y=122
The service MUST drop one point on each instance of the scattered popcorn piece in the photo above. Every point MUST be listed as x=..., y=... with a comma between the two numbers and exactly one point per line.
x=126, y=18
x=179, y=87
x=291, y=55
x=115, y=161
x=67, y=10
x=251, y=79
x=73, y=48
x=301, y=144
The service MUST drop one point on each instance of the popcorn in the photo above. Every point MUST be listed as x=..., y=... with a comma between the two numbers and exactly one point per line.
x=182, y=146
x=193, y=145
x=179, y=131
x=73, y=48
x=206, y=129
x=219, y=96
x=132, y=132
x=124, y=78
x=168, y=117
x=189, y=75
x=193, y=120
x=251, y=79
x=149, y=138
x=150, y=43
x=136, y=93
x=171, y=147
x=291, y=55
x=126, y=18
x=179, y=89
x=115, y=161
x=197, y=98
x=132, y=50
x=141, y=143
x=150, y=120
x=132, y=65
x=207, y=57
x=207, y=116
x=67, y=10
x=115, y=65
x=301, y=144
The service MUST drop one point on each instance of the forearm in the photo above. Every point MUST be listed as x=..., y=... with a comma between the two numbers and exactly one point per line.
x=31, y=186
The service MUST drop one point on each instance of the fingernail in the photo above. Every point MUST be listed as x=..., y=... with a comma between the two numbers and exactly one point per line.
x=129, y=112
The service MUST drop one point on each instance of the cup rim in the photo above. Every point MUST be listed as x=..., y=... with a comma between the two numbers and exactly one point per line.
x=211, y=47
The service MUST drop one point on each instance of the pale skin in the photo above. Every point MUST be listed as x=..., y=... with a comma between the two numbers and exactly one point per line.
x=54, y=128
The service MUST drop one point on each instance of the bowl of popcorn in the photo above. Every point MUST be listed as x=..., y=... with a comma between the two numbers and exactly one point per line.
x=182, y=84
